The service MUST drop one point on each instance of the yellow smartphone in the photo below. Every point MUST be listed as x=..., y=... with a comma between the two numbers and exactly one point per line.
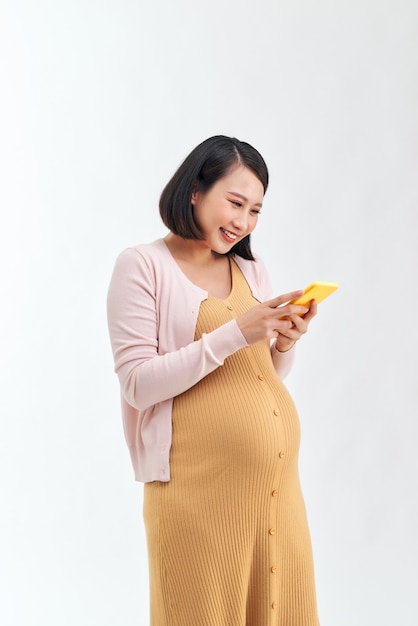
x=316, y=291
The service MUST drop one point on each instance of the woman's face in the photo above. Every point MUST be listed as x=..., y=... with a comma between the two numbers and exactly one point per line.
x=229, y=210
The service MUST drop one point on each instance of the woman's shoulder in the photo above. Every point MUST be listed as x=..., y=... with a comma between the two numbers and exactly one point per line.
x=153, y=249
x=148, y=253
x=144, y=261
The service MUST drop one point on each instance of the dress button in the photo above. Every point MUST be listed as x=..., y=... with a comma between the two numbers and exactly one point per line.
x=229, y=307
x=276, y=412
x=274, y=493
x=274, y=605
x=281, y=454
x=272, y=531
x=260, y=377
x=273, y=569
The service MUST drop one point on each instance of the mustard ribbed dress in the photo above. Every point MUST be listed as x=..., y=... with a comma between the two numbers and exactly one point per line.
x=228, y=540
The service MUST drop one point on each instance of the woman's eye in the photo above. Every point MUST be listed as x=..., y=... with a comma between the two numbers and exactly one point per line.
x=255, y=212
x=236, y=203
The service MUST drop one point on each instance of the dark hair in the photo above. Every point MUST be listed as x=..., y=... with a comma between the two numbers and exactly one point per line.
x=210, y=161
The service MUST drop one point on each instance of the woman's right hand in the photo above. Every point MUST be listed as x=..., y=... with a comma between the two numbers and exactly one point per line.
x=267, y=320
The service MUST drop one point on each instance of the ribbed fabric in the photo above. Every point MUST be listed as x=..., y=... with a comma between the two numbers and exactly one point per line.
x=228, y=540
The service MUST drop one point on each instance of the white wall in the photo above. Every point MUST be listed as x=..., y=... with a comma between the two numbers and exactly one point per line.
x=100, y=101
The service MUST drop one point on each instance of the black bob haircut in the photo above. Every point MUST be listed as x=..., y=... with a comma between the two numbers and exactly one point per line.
x=210, y=161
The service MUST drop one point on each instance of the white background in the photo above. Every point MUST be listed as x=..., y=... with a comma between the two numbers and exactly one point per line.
x=100, y=101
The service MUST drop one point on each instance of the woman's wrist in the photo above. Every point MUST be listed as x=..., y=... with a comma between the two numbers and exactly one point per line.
x=283, y=348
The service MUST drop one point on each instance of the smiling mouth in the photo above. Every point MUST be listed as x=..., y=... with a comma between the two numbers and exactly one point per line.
x=230, y=236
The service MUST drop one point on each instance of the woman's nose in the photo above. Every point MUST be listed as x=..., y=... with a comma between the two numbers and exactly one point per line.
x=241, y=221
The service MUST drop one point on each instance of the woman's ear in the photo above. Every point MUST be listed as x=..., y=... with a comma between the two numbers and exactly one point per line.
x=195, y=193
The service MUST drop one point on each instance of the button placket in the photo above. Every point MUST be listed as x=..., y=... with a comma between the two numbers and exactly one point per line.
x=273, y=537
x=273, y=541
x=272, y=530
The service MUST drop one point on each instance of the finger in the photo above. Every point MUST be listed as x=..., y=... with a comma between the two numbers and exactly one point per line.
x=286, y=297
x=313, y=309
x=293, y=309
x=283, y=326
x=297, y=309
x=291, y=333
x=299, y=324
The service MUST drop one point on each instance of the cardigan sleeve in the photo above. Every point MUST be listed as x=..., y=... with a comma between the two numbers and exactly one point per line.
x=147, y=377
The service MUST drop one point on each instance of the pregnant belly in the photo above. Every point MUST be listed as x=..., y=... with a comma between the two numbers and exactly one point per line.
x=222, y=426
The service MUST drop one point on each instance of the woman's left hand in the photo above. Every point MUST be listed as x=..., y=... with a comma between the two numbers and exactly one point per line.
x=286, y=339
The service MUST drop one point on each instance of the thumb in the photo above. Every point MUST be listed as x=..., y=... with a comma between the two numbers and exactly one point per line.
x=286, y=297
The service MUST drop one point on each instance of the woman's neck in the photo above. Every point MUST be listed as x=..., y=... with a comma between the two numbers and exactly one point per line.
x=191, y=250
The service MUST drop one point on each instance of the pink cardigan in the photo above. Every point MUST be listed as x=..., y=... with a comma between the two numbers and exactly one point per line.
x=152, y=312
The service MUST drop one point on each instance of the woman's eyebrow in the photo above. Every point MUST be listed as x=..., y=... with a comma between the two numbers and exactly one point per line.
x=238, y=195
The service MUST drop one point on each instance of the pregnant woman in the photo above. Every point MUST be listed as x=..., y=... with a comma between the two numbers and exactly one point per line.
x=201, y=349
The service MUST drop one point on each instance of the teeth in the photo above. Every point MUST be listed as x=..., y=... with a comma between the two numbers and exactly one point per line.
x=231, y=235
